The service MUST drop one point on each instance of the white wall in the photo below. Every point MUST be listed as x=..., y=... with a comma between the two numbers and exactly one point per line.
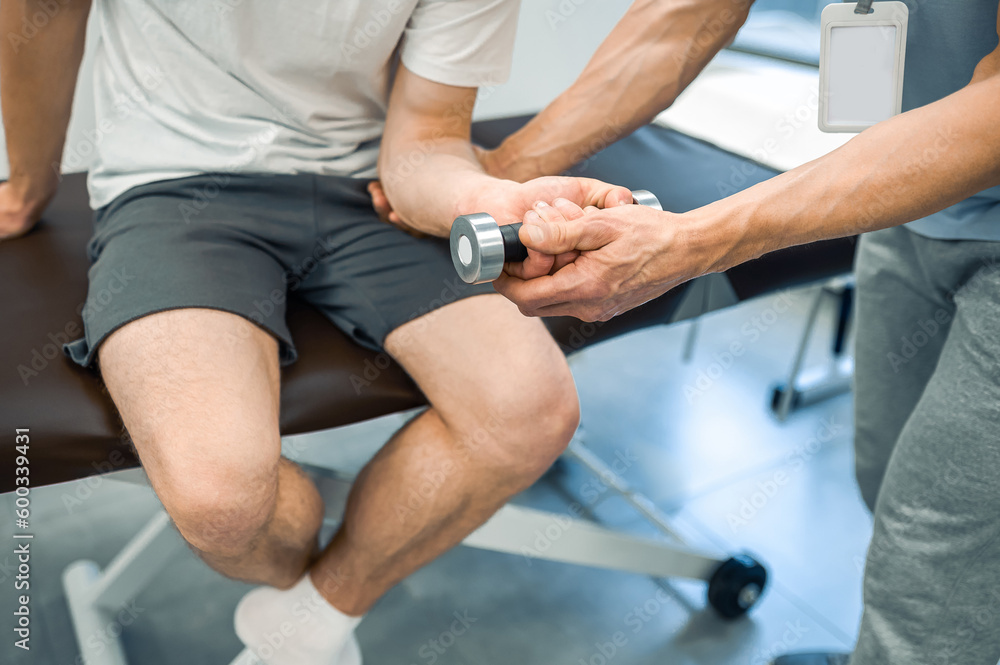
x=555, y=40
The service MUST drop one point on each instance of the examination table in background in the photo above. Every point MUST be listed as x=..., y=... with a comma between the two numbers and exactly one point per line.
x=76, y=432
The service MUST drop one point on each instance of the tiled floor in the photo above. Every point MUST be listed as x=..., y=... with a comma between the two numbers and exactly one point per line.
x=729, y=476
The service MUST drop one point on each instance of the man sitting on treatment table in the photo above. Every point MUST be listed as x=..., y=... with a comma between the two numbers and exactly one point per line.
x=235, y=144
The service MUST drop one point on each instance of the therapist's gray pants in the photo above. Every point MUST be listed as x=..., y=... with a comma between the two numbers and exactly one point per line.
x=928, y=448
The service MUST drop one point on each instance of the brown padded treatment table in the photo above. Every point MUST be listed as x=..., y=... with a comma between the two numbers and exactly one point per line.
x=76, y=432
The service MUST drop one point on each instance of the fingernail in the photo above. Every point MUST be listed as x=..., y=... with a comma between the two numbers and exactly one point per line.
x=532, y=217
x=535, y=233
x=541, y=204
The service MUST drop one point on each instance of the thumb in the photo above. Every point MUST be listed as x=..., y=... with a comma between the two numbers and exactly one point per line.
x=564, y=236
x=618, y=196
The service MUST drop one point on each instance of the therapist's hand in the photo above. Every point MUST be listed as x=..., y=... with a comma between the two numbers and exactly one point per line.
x=624, y=256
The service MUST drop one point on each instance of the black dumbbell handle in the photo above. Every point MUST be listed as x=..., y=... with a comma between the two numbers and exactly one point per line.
x=513, y=249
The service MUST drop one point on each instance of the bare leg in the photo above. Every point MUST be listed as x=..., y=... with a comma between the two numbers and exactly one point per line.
x=198, y=391
x=504, y=407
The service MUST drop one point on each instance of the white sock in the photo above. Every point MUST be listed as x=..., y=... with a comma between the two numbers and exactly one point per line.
x=296, y=627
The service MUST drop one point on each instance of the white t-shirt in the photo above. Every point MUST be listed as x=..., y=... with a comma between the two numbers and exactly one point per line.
x=184, y=87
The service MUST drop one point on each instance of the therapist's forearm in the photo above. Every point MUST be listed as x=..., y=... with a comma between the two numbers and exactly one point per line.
x=38, y=71
x=651, y=55
x=898, y=171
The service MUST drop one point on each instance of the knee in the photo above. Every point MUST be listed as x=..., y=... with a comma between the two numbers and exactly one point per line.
x=221, y=511
x=524, y=432
x=225, y=520
x=553, y=416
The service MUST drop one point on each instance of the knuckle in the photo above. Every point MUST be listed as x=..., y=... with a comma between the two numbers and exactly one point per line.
x=604, y=229
x=560, y=235
x=594, y=290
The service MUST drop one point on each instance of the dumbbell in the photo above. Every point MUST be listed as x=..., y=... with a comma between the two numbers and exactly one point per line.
x=480, y=246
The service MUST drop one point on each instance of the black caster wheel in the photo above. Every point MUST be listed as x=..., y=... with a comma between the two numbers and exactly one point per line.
x=736, y=586
x=778, y=393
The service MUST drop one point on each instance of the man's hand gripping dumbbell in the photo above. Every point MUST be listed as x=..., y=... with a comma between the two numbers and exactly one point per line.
x=480, y=247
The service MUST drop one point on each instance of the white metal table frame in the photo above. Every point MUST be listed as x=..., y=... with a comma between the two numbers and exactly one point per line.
x=95, y=596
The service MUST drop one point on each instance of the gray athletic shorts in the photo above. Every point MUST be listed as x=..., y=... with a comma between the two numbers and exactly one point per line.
x=246, y=243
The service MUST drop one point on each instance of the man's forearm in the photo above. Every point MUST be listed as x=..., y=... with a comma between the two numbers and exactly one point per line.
x=898, y=171
x=430, y=182
x=426, y=163
x=38, y=71
x=652, y=54
x=430, y=174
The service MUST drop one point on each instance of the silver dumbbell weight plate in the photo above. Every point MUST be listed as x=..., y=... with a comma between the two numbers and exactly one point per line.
x=477, y=248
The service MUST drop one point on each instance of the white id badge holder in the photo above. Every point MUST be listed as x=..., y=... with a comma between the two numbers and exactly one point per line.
x=862, y=49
